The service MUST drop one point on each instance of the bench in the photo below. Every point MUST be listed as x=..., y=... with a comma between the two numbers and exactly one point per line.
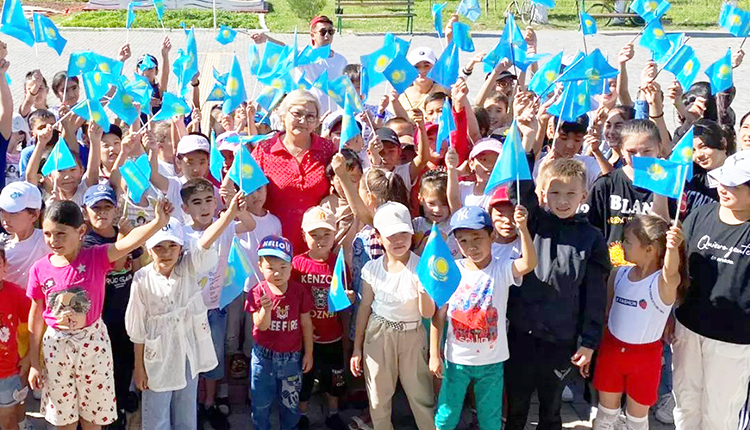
x=394, y=9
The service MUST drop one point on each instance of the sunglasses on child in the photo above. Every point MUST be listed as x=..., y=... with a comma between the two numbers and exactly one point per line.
x=328, y=31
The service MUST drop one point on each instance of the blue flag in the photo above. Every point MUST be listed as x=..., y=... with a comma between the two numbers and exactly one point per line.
x=376, y=62
x=437, y=271
x=663, y=177
x=253, y=56
x=341, y=86
x=144, y=165
x=245, y=172
x=512, y=35
x=512, y=164
x=592, y=68
x=321, y=84
x=239, y=269
x=400, y=73
x=313, y=55
x=684, y=65
x=650, y=10
x=14, y=23
x=445, y=126
x=546, y=3
x=337, y=298
x=92, y=110
x=349, y=127
x=268, y=98
x=191, y=49
x=137, y=180
x=217, y=94
x=541, y=82
x=216, y=159
x=142, y=91
x=46, y=31
x=575, y=101
x=60, y=158
x=130, y=19
x=402, y=46
x=256, y=138
x=437, y=17
x=683, y=151
x=462, y=37
x=470, y=9
x=146, y=64
x=445, y=70
x=96, y=84
x=80, y=62
x=283, y=82
x=588, y=24
x=106, y=65
x=655, y=39
x=159, y=8
x=676, y=40
x=720, y=73
x=171, y=106
x=735, y=20
x=121, y=104
x=226, y=35
x=235, y=88
x=272, y=53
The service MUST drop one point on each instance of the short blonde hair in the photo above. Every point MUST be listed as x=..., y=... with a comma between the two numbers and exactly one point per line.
x=565, y=168
x=298, y=98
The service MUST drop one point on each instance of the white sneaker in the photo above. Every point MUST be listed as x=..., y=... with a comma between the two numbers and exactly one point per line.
x=664, y=409
x=621, y=423
x=567, y=395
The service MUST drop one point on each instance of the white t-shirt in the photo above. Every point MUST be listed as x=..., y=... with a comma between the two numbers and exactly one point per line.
x=167, y=169
x=476, y=315
x=593, y=171
x=422, y=228
x=21, y=255
x=335, y=67
x=404, y=170
x=507, y=251
x=212, y=282
x=265, y=225
x=396, y=294
x=466, y=192
x=638, y=315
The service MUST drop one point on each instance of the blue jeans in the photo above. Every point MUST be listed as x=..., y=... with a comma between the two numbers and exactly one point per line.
x=275, y=376
x=217, y=321
x=665, y=385
x=172, y=409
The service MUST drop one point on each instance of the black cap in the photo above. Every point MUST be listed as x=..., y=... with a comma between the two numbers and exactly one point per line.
x=385, y=134
x=505, y=74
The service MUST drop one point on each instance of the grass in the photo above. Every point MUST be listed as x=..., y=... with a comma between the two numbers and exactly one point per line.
x=684, y=14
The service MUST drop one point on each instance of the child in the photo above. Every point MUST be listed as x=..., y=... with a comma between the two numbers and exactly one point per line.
x=567, y=142
x=283, y=330
x=506, y=244
x=346, y=224
x=476, y=344
x=18, y=140
x=20, y=207
x=389, y=156
x=641, y=299
x=110, y=148
x=497, y=106
x=390, y=343
x=562, y=300
x=148, y=67
x=314, y=271
x=433, y=196
x=42, y=133
x=199, y=203
x=100, y=207
x=482, y=160
x=14, y=359
x=423, y=59
x=67, y=291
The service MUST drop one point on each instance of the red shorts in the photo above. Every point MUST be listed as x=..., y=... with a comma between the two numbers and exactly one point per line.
x=632, y=369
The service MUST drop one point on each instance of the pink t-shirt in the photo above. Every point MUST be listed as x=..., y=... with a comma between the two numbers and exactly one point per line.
x=73, y=294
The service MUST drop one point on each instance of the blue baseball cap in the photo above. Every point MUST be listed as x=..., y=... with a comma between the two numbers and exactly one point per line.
x=470, y=218
x=276, y=246
x=96, y=193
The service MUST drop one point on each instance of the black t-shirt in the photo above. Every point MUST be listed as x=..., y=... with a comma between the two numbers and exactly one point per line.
x=718, y=299
x=612, y=202
x=117, y=290
x=698, y=192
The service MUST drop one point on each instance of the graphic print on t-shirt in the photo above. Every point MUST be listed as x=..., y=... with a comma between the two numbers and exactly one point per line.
x=475, y=318
x=69, y=307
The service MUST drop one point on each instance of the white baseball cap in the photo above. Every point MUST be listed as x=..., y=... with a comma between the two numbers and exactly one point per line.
x=421, y=54
x=20, y=124
x=486, y=144
x=392, y=218
x=318, y=217
x=735, y=171
x=170, y=232
x=20, y=195
x=193, y=142
x=228, y=141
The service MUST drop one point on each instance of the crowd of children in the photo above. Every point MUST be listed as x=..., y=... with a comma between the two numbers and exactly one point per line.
x=576, y=271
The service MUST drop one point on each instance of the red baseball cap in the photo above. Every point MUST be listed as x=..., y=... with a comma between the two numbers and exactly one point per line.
x=500, y=195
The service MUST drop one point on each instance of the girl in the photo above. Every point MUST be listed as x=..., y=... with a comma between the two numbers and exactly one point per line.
x=482, y=160
x=35, y=93
x=67, y=292
x=423, y=59
x=390, y=341
x=616, y=117
x=433, y=196
x=642, y=297
x=497, y=106
x=710, y=150
x=743, y=134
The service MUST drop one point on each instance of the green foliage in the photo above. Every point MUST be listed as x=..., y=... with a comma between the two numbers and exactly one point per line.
x=172, y=19
x=306, y=10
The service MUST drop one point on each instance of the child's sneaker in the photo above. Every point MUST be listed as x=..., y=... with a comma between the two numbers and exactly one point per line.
x=334, y=422
x=664, y=409
x=217, y=419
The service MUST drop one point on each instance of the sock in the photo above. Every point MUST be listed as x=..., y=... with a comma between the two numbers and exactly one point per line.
x=605, y=418
x=637, y=423
x=222, y=391
x=332, y=412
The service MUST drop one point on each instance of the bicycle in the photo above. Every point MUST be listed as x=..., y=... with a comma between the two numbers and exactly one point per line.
x=523, y=9
x=603, y=13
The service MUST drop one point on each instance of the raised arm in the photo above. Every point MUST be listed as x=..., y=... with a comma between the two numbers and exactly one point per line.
x=360, y=210
x=419, y=163
x=6, y=98
x=489, y=83
x=91, y=176
x=626, y=54
x=159, y=181
x=528, y=260
x=139, y=235
x=31, y=90
x=436, y=339
x=166, y=45
x=32, y=168
x=671, y=276
x=454, y=194
x=215, y=229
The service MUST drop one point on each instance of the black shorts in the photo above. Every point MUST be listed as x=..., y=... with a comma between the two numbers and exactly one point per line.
x=328, y=369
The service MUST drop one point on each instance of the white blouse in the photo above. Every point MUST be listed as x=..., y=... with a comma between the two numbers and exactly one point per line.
x=396, y=294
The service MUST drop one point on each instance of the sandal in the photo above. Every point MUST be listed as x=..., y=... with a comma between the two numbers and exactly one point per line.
x=238, y=367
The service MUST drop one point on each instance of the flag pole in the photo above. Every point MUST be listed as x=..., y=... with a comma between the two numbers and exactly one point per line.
x=638, y=35
x=512, y=55
x=684, y=42
x=567, y=69
x=679, y=197
x=743, y=42
x=559, y=118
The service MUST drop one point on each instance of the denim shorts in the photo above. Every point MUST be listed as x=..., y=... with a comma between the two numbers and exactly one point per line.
x=12, y=392
x=217, y=321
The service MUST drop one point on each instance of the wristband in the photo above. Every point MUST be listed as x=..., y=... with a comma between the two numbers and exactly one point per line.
x=467, y=72
x=379, y=115
x=657, y=116
x=198, y=82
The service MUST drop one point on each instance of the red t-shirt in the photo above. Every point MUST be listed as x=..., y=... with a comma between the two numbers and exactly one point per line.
x=294, y=186
x=14, y=311
x=315, y=277
x=285, y=332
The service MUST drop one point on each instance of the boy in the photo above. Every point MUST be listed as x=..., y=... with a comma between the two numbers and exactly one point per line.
x=282, y=330
x=567, y=143
x=166, y=320
x=506, y=244
x=40, y=123
x=14, y=362
x=100, y=208
x=199, y=203
x=476, y=345
x=20, y=208
x=482, y=159
x=314, y=271
x=563, y=299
